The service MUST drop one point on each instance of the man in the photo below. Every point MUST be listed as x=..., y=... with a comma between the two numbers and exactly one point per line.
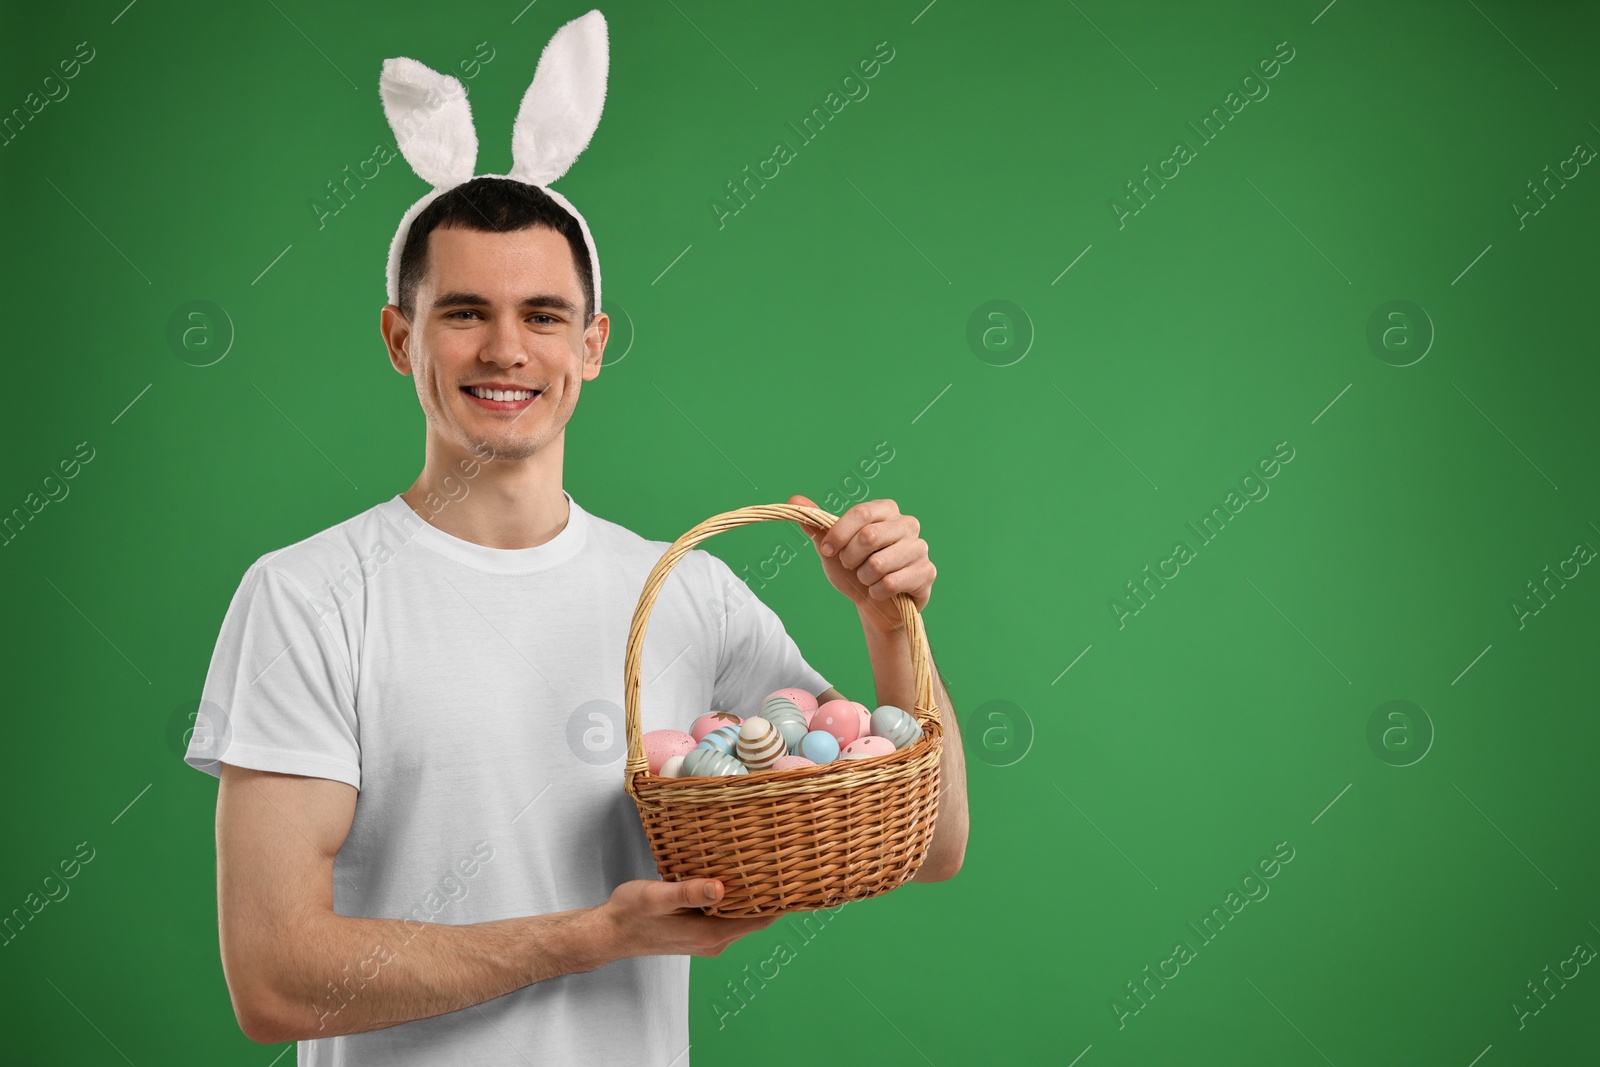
x=425, y=853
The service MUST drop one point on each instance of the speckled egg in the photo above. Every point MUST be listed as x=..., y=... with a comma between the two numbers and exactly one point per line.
x=787, y=763
x=709, y=762
x=867, y=747
x=662, y=745
x=759, y=743
x=819, y=746
x=839, y=718
x=804, y=700
x=712, y=720
x=896, y=724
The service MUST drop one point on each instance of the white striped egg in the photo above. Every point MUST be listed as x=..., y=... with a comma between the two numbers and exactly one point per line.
x=759, y=743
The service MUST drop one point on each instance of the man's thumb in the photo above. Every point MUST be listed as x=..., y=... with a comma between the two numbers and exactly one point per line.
x=697, y=892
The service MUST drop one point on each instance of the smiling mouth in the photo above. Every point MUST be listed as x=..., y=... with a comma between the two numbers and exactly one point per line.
x=501, y=399
x=484, y=393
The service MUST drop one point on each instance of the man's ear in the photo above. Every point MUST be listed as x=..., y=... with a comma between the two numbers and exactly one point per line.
x=396, y=331
x=594, y=345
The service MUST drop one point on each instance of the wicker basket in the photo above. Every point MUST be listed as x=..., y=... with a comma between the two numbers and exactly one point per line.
x=794, y=840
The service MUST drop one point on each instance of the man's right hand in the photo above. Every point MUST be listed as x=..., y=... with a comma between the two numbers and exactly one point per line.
x=650, y=917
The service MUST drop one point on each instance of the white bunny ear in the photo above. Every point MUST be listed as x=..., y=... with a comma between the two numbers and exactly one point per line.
x=561, y=108
x=431, y=120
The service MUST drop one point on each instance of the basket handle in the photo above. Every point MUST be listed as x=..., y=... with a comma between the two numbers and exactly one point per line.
x=916, y=636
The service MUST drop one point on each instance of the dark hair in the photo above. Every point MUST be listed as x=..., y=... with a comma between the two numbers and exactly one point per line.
x=491, y=205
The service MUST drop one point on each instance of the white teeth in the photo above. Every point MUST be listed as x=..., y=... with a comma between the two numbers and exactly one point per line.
x=502, y=394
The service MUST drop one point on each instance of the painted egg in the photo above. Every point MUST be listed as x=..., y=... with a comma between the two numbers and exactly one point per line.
x=774, y=710
x=759, y=743
x=867, y=747
x=791, y=723
x=866, y=719
x=709, y=762
x=673, y=768
x=839, y=718
x=896, y=724
x=792, y=730
x=711, y=721
x=723, y=738
x=819, y=746
x=662, y=745
x=804, y=700
x=788, y=763
x=772, y=707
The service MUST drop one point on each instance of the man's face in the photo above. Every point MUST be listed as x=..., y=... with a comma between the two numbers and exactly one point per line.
x=497, y=310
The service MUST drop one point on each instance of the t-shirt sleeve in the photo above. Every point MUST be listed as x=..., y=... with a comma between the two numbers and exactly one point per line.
x=279, y=693
x=756, y=655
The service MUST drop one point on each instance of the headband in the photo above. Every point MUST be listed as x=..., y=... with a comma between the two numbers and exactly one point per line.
x=432, y=125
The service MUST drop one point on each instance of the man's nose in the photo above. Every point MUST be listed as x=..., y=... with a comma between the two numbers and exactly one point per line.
x=506, y=343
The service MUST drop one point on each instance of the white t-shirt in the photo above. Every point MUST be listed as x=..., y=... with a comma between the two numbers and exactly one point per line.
x=473, y=696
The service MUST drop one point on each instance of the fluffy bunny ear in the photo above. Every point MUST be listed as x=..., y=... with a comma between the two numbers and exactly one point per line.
x=431, y=120
x=561, y=108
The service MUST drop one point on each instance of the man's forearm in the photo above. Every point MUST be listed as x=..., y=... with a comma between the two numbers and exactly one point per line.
x=895, y=682
x=347, y=975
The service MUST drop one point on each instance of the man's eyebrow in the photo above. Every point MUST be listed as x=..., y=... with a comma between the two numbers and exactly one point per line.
x=539, y=300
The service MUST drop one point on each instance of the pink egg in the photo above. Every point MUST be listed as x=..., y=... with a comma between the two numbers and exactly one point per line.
x=662, y=745
x=867, y=747
x=711, y=720
x=787, y=763
x=839, y=718
x=866, y=719
x=802, y=699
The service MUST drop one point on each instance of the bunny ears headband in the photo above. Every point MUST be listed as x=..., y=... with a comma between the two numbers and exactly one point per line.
x=432, y=125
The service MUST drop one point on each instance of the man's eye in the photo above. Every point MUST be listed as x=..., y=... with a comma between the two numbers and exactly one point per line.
x=467, y=311
x=552, y=318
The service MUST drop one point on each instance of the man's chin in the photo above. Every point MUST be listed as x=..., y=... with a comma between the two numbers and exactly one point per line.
x=511, y=447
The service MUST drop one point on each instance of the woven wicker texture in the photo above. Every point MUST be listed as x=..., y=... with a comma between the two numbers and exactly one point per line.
x=795, y=840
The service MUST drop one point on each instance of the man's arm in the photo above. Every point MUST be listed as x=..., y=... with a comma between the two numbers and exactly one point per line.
x=296, y=970
x=896, y=684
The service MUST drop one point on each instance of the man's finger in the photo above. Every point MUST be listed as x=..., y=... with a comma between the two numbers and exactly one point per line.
x=697, y=892
x=850, y=523
x=873, y=537
x=897, y=555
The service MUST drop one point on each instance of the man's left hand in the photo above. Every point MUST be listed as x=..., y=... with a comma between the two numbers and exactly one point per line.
x=872, y=553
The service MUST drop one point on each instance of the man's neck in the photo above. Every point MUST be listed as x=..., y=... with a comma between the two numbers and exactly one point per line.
x=496, y=503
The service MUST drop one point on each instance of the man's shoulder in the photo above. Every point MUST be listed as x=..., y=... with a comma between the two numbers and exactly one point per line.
x=323, y=555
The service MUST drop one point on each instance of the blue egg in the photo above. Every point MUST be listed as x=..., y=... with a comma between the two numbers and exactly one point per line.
x=722, y=739
x=819, y=746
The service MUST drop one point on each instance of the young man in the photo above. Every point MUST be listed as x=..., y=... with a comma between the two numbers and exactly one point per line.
x=425, y=853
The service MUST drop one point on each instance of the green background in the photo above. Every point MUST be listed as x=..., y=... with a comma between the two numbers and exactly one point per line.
x=1113, y=803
